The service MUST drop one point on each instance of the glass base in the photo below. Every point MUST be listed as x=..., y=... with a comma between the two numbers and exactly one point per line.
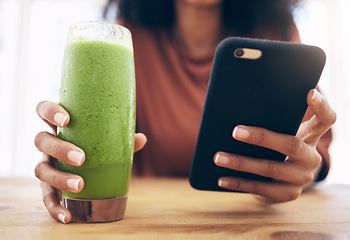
x=95, y=210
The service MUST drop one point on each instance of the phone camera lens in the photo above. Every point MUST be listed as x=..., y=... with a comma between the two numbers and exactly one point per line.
x=239, y=52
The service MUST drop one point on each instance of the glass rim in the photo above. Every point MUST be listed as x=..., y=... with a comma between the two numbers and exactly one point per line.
x=99, y=23
x=86, y=31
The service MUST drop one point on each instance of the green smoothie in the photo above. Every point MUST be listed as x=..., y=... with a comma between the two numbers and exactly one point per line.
x=98, y=91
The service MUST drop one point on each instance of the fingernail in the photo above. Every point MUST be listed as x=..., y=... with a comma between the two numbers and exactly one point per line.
x=60, y=118
x=62, y=217
x=73, y=183
x=240, y=133
x=221, y=159
x=76, y=157
x=317, y=97
x=223, y=183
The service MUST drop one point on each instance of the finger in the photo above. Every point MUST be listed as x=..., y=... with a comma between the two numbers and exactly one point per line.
x=323, y=119
x=286, y=144
x=59, y=149
x=281, y=171
x=53, y=114
x=60, y=180
x=275, y=191
x=140, y=141
x=51, y=201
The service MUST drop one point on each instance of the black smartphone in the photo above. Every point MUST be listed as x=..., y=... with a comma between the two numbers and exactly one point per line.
x=255, y=83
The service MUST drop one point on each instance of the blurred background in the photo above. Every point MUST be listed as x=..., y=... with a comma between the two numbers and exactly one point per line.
x=32, y=39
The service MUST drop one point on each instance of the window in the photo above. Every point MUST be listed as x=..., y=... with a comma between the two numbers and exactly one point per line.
x=9, y=34
x=324, y=23
x=32, y=39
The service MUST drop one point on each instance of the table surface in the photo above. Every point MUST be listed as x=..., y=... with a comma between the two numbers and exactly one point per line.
x=171, y=209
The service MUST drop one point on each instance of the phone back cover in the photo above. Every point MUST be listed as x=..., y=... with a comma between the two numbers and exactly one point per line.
x=269, y=92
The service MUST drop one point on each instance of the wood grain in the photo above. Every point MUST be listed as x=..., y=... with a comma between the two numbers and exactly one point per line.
x=171, y=209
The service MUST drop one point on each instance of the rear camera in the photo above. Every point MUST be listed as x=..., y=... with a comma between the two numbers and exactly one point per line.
x=239, y=52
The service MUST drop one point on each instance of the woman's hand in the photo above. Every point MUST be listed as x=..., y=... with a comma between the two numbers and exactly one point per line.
x=291, y=176
x=53, y=148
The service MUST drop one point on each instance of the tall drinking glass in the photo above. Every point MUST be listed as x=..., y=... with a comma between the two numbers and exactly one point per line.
x=98, y=91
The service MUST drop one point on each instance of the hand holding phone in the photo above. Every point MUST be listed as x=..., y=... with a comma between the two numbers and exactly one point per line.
x=259, y=92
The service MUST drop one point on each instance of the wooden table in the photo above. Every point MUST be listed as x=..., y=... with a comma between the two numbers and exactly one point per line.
x=171, y=209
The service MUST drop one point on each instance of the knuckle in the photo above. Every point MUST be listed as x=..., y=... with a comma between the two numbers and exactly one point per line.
x=261, y=137
x=37, y=170
x=328, y=121
x=304, y=179
x=55, y=180
x=44, y=110
x=309, y=177
x=292, y=195
x=46, y=198
x=56, y=148
x=49, y=204
x=317, y=160
x=295, y=194
x=239, y=164
x=238, y=185
x=38, y=139
x=294, y=146
x=333, y=118
x=40, y=106
x=272, y=170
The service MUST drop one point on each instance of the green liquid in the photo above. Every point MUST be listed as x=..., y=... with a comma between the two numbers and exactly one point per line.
x=98, y=91
x=105, y=181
